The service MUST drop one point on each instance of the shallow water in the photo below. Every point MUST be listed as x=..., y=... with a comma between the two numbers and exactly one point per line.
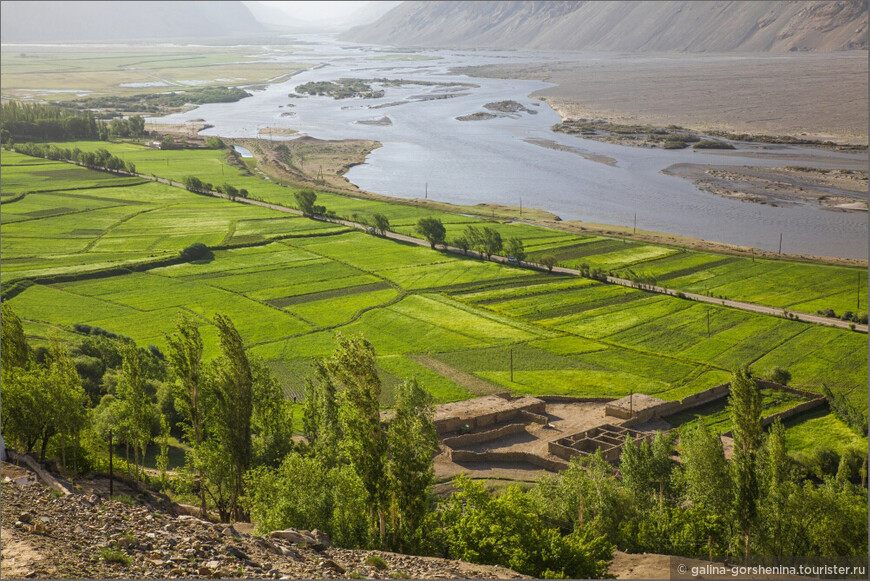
x=469, y=162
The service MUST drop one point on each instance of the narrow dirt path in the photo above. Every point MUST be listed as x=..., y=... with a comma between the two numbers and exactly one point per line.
x=473, y=384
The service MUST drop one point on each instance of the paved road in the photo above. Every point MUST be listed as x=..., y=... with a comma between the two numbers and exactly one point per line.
x=744, y=306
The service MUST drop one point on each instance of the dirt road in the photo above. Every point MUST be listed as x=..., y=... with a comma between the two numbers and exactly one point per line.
x=744, y=306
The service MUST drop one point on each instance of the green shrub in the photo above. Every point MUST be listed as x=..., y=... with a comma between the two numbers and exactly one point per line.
x=674, y=144
x=112, y=555
x=196, y=251
x=710, y=144
x=377, y=562
x=506, y=530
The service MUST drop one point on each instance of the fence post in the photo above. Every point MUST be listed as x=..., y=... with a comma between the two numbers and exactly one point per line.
x=111, y=472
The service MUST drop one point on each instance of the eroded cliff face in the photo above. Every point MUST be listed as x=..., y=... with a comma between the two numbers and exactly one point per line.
x=680, y=26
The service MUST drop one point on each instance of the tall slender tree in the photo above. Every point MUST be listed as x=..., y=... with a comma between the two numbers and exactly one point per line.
x=413, y=442
x=744, y=404
x=185, y=357
x=14, y=351
x=136, y=404
x=69, y=400
x=320, y=415
x=354, y=368
x=233, y=393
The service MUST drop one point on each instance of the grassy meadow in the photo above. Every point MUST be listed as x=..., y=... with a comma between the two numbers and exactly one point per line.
x=455, y=323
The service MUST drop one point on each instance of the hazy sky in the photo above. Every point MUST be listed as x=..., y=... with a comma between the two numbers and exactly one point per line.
x=314, y=11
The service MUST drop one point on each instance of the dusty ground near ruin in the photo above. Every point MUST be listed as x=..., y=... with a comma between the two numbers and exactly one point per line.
x=565, y=419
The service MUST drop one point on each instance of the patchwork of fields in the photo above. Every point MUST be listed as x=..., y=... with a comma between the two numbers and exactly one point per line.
x=461, y=326
x=66, y=74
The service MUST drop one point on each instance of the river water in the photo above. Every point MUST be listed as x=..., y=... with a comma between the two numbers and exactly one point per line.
x=425, y=148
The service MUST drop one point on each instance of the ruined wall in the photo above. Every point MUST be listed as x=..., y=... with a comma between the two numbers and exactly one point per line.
x=494, y=456
x=485, y=436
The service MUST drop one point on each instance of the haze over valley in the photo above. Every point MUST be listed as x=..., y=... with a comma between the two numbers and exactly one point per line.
x=432, y=290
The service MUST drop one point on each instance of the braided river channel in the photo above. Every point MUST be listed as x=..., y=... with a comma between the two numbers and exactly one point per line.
x=428, y=151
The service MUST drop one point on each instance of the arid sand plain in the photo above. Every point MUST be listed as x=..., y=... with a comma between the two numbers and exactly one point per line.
x=819, y=95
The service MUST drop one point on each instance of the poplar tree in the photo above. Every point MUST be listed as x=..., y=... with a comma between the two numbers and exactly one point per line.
x=68, y=398
x=705, y=469
x=320, y=415
x=135, y=402
x=185, y=356
x=744, y=404
x=14, y=351
x=233, y=393
x=413, y=442
x=354, y=369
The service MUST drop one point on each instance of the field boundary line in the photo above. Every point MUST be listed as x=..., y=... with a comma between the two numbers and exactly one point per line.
x=467, y=380
x=93, y=242
x=746, y=306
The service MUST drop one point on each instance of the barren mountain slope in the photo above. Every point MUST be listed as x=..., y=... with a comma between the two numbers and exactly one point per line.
x=778, y=26
x=91, y=21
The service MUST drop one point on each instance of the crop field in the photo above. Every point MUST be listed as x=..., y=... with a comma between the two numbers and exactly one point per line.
x=60, y=74
x=777, y=283
x=654, y=333
x=806, y=432
x=716, y=416
x=452, y=322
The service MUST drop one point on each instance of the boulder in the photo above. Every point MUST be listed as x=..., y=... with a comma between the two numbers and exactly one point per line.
x=293, y=536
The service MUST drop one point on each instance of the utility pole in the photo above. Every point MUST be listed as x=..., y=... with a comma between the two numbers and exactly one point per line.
x=635, y=224
x=512, y=364
x=708, y=322
x=111, y=468
x=426, y=195
x=780, y=242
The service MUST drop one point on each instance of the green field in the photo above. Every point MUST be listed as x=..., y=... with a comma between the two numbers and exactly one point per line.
x=777, y=283
x=289, y=283
x=64, y=73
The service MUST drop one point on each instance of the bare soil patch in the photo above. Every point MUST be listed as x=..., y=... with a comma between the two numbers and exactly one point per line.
x=17, y=557
x=843, y=190
x=277, y=130
x=820, y=95
x=550, y=144
x=470, y=382
x=308, y=161
x=188, y=130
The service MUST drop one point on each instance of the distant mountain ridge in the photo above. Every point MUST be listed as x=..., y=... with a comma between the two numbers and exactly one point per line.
x=53, y=21
x=621, y=26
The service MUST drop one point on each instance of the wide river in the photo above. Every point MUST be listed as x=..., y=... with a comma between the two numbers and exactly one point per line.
x=426, y=149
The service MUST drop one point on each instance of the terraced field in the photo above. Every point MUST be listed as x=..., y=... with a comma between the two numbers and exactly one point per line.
x=462, y=326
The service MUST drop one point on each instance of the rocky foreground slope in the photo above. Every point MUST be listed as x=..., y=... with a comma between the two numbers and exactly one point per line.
x=49, y=536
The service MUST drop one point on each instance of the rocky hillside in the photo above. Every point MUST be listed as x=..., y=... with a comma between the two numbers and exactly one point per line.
x=49, y=536
x=60, y=21
x=682, y=26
